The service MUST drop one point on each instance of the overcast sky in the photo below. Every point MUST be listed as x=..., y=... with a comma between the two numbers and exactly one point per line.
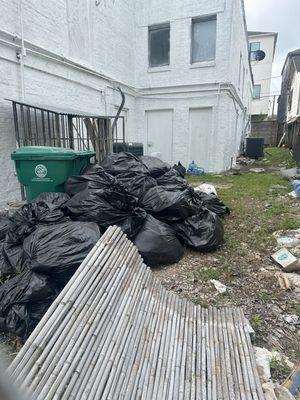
x=282, y=16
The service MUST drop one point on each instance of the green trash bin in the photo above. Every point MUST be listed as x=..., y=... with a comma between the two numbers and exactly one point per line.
x=46, y=169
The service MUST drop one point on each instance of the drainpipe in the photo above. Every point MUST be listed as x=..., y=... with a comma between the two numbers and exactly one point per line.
x=22, y=53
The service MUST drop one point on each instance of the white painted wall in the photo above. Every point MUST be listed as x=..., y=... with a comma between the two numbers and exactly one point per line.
x=262, y=72
x=77, y=53
x=295, y=101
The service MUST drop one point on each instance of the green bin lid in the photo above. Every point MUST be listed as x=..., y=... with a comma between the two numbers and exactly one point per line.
x=48, y=153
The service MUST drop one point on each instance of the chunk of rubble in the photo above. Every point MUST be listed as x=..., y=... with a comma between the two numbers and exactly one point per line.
x=291, y=319
x=219, y=286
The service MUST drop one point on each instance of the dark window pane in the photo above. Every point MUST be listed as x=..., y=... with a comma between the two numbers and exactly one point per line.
x=256, y=91
x=204, y=40
x=159, y=46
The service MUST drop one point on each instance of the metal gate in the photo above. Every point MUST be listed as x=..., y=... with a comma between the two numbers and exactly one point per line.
x=37, y=125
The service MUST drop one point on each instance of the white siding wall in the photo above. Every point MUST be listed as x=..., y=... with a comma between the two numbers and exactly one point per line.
x=262, y=72
x=112, y=41
x=295, y=101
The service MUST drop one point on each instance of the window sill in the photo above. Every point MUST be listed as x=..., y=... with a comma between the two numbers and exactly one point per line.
x=203, y=64
x=164, y=68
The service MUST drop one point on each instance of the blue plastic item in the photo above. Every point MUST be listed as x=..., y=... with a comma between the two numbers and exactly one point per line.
x=195, y=170
x=296, y=186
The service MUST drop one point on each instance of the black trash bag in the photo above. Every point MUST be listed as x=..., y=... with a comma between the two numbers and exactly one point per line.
x=5, y=224
x=202, y=232
x=157, y=243
x=155, y=166
x=172, y=181
x=132, y=224
x=56, y=198
x=58, y=250
x=179, y=168
x=95, y=179
x=13, y=256
x=107, y=208
x=116, y=164
x=24, y=220
x=212, y=203
x=170, y=206
x=24, y=300
x=23, y=223
x=5, y=268
x=136, y=184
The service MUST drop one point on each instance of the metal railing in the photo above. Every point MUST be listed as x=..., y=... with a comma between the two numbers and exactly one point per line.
x=37, y=125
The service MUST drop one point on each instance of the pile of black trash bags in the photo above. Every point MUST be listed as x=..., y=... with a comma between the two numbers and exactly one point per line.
x=44, y=242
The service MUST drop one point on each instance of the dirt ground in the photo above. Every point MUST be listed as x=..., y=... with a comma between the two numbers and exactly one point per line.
x=260, y=205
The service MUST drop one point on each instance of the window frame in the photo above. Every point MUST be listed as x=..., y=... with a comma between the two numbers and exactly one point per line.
x=156, y=27
x=204, y=18
x=253, y=51
x=259, y=97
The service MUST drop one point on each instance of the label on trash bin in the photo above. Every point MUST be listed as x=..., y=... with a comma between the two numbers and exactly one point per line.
x=41, y=172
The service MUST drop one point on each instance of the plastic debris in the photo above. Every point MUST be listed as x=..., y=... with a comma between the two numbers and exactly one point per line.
x=206, y=188
x=286, y=260
x=219, y=286
x=290, y=238
x=194, y=170
x=293, y=382
x=296, y=186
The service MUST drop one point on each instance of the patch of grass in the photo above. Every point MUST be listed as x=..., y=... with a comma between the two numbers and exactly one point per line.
x=265, y=297
x=209, y=273
x=279, y=369
x=279, y=156
x=257, y=322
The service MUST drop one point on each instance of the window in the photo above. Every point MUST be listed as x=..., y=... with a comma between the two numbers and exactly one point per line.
x=204, y=32
x=159, y=45
x=256, y=92
x=254, y=46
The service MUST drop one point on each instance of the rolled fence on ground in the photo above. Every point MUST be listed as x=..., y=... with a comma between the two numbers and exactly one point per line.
x=114, y=332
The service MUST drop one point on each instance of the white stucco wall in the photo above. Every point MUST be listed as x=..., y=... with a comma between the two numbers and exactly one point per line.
x=262, y=72
x=77, y=53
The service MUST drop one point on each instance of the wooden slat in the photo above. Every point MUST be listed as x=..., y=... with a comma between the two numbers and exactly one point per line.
x=115, y=333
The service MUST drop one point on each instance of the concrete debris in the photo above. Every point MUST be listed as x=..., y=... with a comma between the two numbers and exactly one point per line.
x=262, y=358
x=219, y=286
x=269, y=391
x=291, y=319
x=289, y=173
